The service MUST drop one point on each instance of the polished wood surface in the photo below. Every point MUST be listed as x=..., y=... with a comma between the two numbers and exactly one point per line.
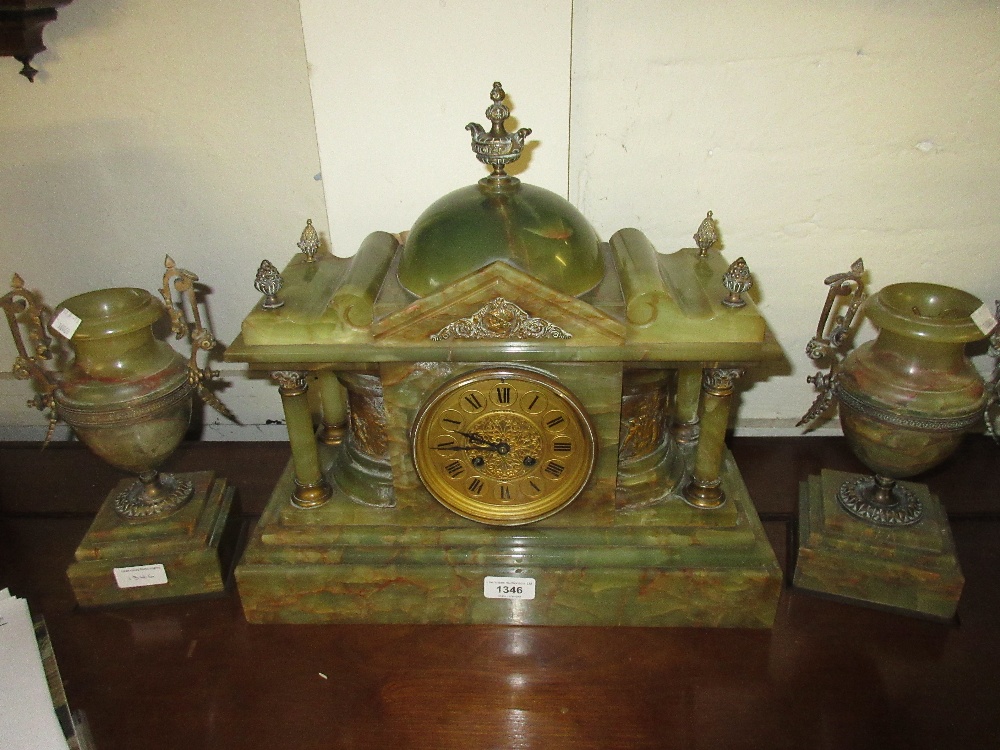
x=829, y=675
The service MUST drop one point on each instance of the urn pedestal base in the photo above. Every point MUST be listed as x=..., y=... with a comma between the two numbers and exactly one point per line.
x=666, y=565
x=186, y=554
x=909, y=569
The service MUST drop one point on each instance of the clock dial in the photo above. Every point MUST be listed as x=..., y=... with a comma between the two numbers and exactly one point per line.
x=503, y=446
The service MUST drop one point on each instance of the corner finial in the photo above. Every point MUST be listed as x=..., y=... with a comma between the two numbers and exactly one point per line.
x=737, y=280
x=706, y=236
x=269, y=282
x=498, y=148
x=309, y=241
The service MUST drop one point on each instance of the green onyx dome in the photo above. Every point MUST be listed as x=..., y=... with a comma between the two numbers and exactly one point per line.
x=531, y=228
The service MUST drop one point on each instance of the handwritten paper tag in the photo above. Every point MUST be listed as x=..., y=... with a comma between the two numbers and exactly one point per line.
x=499, y=587
x=140, y=575
x=65, y=323
x=984, y=319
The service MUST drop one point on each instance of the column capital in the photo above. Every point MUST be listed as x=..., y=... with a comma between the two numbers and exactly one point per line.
x=721, y=381
x=290, y=382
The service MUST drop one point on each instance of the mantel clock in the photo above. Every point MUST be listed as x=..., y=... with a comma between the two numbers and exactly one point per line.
x=505, y=397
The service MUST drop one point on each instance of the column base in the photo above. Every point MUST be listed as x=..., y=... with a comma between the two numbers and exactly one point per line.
x=705, y=495
x=330, y=434
x=310, y=495
x=686, y=433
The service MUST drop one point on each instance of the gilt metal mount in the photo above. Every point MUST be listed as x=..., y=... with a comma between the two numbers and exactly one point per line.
x=497, y=148
x=828, y=343
x=25, y=311
x=202, y=339
x=500, y=319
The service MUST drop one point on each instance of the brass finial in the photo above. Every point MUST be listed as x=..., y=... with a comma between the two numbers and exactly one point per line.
x=309, y=242
x=706, y=236
x=737, y=280
x=269, y=283
x=498, y=148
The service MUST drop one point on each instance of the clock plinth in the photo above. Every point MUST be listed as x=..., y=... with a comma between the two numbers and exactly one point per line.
x=667, y=565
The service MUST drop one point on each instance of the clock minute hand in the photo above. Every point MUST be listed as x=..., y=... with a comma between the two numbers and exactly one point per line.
x=471, y=448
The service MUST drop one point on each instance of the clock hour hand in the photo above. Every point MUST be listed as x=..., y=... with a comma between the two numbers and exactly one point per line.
x=474, y=437
x=470, y=448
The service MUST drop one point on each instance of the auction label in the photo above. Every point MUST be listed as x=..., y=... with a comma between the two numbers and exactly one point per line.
x=140, y=575
x=65, y=323
x=984, y=319
x=499, y=587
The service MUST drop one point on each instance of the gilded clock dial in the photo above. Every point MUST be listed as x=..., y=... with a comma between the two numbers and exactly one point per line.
x=503, y=446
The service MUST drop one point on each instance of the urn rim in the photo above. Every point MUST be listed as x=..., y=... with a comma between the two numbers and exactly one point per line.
x=113, y=311
x=933, y=312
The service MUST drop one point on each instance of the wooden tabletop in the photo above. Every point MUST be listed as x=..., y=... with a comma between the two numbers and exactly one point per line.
x=195, y=675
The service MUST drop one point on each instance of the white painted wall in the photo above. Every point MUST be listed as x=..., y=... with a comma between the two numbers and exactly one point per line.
x=816, y=133
x=394, y=85
x=153, y=128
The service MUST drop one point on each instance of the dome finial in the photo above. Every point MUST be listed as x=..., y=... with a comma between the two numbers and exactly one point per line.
x=498, y=148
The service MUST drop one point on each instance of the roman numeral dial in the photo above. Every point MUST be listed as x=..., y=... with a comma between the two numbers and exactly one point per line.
x=503, y=446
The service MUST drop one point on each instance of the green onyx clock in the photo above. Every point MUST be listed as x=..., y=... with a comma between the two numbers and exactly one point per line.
x=519, y=402
x=503, y=446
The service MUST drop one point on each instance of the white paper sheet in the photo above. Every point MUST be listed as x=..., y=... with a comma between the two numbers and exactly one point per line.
x=27, y=719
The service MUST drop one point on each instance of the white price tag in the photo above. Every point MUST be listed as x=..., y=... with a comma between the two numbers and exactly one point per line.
x=140, y=575
x=984, y=319
x=499, y=587
x=65, y=323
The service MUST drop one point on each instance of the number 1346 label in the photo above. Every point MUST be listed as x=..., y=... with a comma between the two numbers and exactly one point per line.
x=498, y=587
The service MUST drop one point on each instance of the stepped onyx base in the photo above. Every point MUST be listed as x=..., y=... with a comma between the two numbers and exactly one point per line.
x=669, y=565
x=194, y=545
x=909, y=569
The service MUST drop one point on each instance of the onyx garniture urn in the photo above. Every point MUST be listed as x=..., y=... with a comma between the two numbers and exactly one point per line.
x=907, y=397
x=125, y=393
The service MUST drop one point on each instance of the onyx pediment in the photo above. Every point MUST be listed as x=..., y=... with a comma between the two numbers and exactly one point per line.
x=503, y=304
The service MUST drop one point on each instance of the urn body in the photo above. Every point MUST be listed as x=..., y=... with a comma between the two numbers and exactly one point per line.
x=907, y=397
x=126, y=393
